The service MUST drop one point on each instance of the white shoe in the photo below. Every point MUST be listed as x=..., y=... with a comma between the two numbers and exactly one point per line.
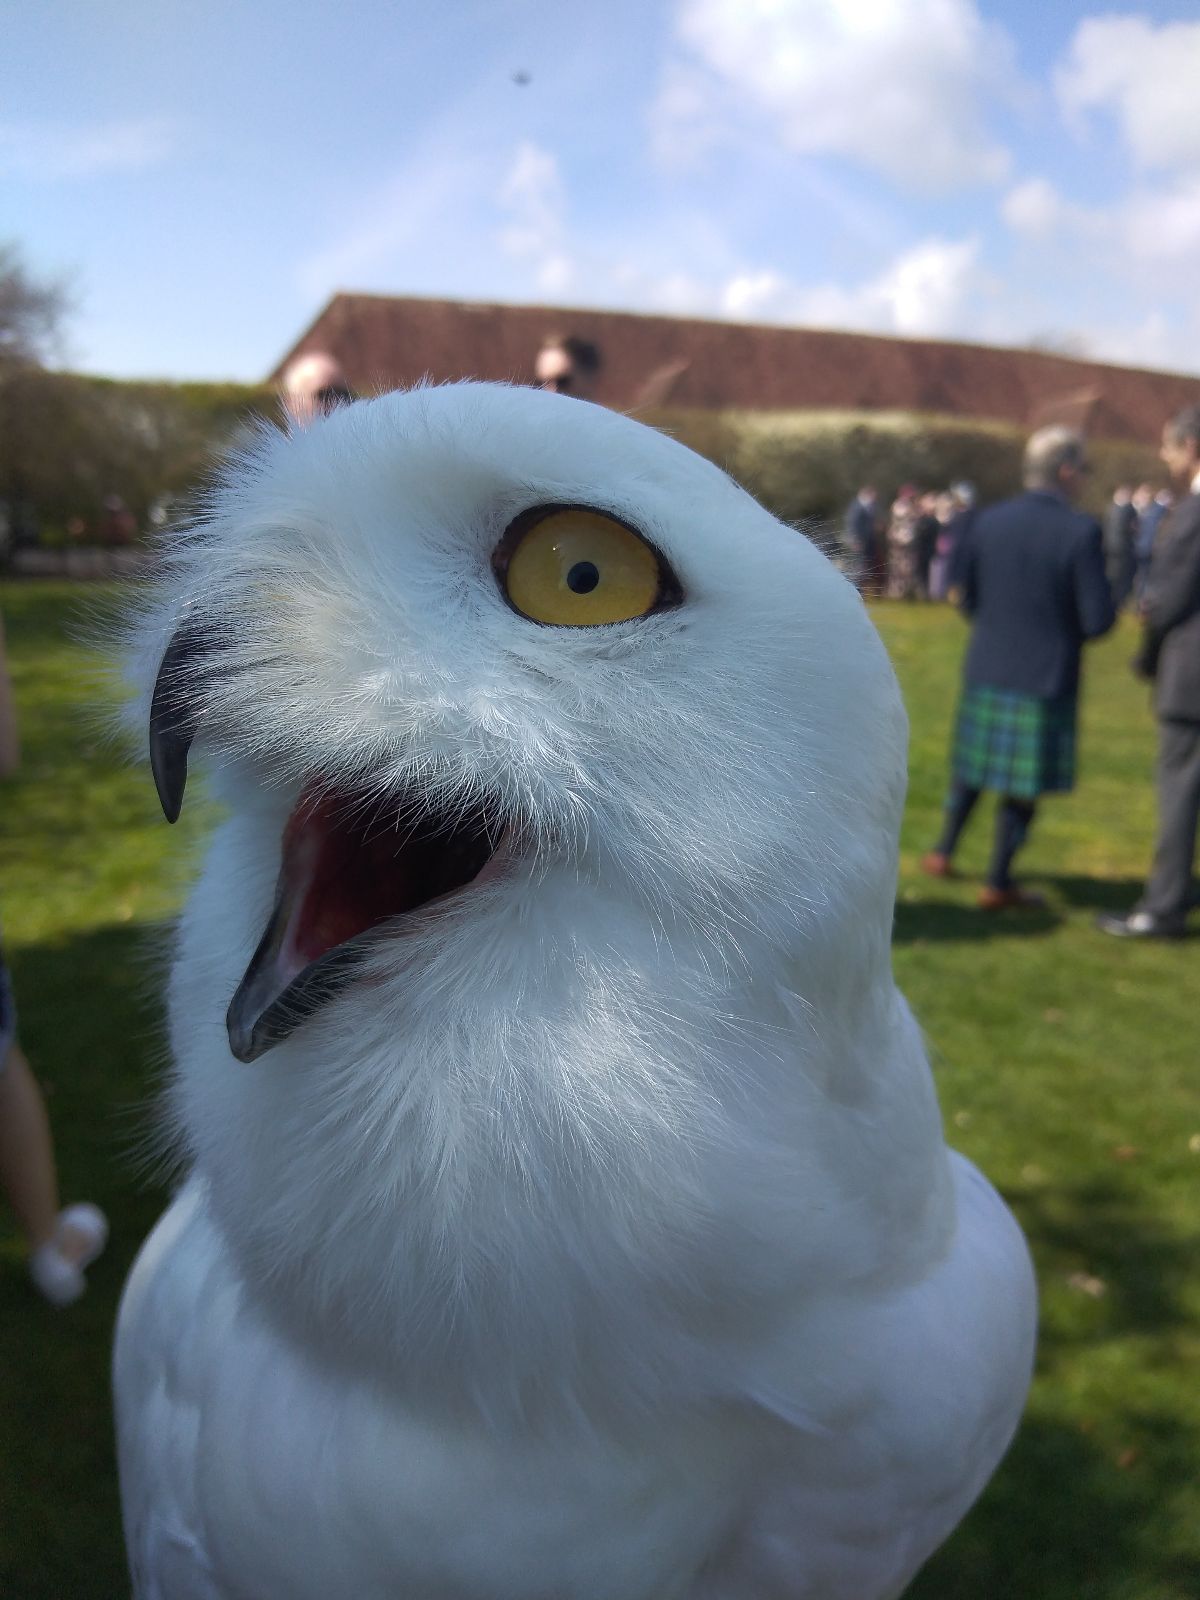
x=60, y=1278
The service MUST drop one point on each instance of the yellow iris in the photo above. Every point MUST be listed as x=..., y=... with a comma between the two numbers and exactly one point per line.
x=578, y=568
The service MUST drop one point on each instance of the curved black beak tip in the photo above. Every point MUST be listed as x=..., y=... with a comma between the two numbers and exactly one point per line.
x=173, y=718
x=168, y=763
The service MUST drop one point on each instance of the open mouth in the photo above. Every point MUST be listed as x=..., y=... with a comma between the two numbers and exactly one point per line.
x=349, y=872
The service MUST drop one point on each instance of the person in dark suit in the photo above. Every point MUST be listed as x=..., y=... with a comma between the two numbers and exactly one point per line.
x=1120, y=538
x=861, y=539
x=1170, y=655
x=1030, y=572
x=1151, y=508
x=925, y=538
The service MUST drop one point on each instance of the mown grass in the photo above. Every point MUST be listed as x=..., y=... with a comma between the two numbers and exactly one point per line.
x=1067, y=1065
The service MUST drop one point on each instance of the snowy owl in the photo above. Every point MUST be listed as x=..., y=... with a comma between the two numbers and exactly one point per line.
x=568, y=1213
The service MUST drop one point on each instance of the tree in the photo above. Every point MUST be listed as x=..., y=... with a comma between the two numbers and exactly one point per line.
x=31, y=314
x=69, y=444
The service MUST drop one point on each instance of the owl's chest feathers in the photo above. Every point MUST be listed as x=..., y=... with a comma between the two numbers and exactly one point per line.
x=524, y=1242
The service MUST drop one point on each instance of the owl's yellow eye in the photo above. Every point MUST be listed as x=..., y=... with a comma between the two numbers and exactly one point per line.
x=574, y=567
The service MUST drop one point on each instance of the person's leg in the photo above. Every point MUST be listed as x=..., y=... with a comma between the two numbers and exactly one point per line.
x=1168, y=889
x=937, y=863
x=959, y=806
x=27, y=1174
x=1013, y=818
x=61, y=1243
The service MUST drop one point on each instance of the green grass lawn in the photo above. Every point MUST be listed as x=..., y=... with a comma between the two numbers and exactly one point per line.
x=1068, y=1066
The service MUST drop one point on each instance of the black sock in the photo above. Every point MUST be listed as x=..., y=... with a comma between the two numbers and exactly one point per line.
x=1012, y=825
x=958, y=808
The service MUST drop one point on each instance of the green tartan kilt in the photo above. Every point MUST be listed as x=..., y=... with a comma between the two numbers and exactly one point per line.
x=1014, y=743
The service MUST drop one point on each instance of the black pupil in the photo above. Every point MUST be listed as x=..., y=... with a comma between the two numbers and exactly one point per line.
x=583, y=577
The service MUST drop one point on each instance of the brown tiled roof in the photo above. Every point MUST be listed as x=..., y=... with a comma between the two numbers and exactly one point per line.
x=385, y=342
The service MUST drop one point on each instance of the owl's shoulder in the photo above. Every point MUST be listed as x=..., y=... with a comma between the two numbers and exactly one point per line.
x=895, y=1406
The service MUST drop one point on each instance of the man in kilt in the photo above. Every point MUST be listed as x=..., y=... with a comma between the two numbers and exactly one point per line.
x=1030, y=572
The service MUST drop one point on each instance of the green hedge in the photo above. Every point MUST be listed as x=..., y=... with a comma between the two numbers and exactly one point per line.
x=806, y=466
x=67, y=441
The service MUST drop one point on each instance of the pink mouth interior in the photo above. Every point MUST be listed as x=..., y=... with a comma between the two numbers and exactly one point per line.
x=348, y=866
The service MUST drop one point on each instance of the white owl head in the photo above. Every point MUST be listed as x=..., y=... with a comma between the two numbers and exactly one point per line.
x=537, y=737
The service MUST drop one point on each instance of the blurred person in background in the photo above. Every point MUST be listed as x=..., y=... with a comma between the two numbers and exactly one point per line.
x=118, y=525
x=1151, y=508
x=954, y=513
x=1170, y=656
x=61, y=1244
x=1120, y=537
x=567, y=364
x=1030, y=573
x=939, y=568
x=925, y=538
x=861, y=538
x=901, y=545
x=313, y=384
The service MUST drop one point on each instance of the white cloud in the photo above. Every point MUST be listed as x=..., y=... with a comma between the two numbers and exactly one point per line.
x=1153, y=341
x=756, y=296
x=1033, y=207
x=1136, y=255
x=1146, y=77
x=680, y=294
x=1161, y=229
x=898, y=85
x=533, y=196
x=930, y=290
x=1150, y=229
x=555, y=275
x=1037, y=210
x=45, y=152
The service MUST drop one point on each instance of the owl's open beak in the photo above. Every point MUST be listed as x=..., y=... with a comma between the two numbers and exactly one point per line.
x=348, y=874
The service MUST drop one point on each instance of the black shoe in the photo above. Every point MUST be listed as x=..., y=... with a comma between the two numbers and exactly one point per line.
x=1140, y=925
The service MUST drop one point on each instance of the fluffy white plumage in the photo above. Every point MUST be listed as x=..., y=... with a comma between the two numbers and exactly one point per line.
x=597, y=1240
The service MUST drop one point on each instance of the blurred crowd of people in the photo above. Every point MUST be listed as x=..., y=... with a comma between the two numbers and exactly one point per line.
x=905, y=554
x=906, y=551
x=1131, y=522
x=1037, y=579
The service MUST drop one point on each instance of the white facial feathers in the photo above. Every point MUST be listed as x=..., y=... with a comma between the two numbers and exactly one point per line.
x=355, y=624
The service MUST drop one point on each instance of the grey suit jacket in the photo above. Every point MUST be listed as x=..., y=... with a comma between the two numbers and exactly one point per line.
x=1171, y=646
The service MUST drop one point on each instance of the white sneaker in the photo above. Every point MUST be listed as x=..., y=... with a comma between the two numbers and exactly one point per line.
x=59, y=1278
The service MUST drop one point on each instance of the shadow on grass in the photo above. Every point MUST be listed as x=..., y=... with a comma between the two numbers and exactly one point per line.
x=90, y=1014
x=931, y=921
x=1093, y=894
x=919, y=921
x=1078, y=1509
x=1099, y=1227
x=1067, y=1517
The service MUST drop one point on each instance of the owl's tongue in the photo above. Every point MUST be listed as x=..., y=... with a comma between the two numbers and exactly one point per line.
x=346, y=870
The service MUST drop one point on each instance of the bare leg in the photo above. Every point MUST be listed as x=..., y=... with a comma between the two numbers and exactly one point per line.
x=27, y=1174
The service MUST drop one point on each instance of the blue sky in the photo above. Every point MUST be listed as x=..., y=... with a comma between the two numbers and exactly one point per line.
x=204, y=176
